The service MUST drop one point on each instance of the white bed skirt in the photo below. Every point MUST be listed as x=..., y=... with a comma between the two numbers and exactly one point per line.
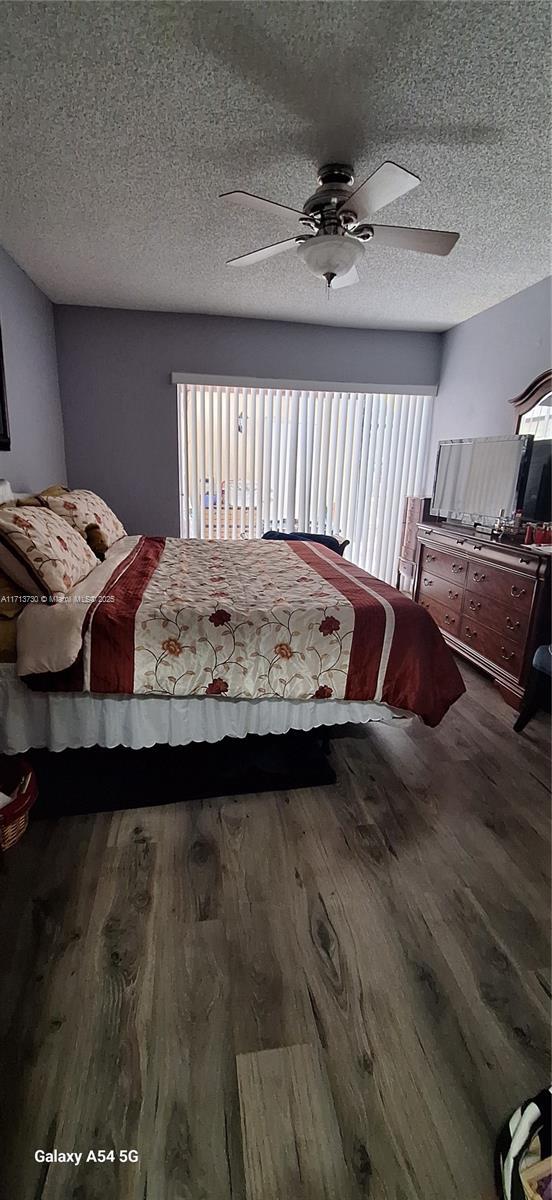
x=62, y=721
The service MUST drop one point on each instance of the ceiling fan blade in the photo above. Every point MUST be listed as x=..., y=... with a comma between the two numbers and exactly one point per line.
x=424, y=241
x=264, y=252
x=343, y=281
x=386, y=184
x=248, y=200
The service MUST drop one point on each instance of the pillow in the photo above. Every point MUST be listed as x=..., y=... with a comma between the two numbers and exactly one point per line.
x=15, y=567
x=81, y=508
x=53, y=554
x=54, y=489
x=36, y=500
x=11, y=599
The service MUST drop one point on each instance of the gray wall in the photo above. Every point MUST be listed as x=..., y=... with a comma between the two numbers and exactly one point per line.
x=487, y=361
x=119, y=407
x=37, y=456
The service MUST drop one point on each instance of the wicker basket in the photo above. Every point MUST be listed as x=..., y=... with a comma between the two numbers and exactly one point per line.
x=18, y=780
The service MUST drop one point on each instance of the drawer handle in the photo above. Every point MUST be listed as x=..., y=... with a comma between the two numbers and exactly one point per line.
x=428, y=582
x=470, y=633
x=460, y=542
x=456, y=568
x=517, y=592
x=431, y=557
x=512, y=624
x=452, y=595
x=479, y=578
x=449, y=620
x=476, y=547
x=526, y=561
x=474, y=605
x=505, y=655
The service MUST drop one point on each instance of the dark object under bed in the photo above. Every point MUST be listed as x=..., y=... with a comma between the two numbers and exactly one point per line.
x=100, y=780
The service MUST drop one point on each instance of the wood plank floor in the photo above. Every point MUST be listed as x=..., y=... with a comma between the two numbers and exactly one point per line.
x=330, y=994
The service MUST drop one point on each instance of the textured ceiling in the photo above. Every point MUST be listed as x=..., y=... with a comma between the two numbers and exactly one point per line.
x=122, y=123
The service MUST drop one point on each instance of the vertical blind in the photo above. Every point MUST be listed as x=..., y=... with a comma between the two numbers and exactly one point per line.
x=342, y=463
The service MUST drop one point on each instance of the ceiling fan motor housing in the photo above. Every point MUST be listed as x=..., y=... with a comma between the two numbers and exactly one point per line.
x=337, y=173
x=335, y=182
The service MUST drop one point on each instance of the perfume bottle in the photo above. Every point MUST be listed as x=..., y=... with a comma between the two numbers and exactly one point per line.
x=515, y=528
x=498, y=526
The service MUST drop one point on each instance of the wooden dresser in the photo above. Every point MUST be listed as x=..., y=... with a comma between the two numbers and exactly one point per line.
x=490, y=600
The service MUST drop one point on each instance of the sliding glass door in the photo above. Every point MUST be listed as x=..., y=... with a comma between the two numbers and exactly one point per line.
x=335, y=462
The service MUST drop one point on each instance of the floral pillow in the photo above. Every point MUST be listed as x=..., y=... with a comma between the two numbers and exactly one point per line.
x=48, y=551
x=82, y=508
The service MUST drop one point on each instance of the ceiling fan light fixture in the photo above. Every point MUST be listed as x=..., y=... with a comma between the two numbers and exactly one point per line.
x=330, y=254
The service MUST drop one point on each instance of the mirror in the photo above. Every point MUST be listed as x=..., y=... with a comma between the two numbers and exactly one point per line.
x=534, y=408
x=539, y=420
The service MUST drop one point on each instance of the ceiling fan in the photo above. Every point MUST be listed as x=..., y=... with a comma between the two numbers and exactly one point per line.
x=336, y=225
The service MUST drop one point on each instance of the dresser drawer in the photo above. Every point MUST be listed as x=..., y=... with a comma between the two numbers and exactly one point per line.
x=515, y=591
x=492, y=645
x=432, y=587
x=504, y=619
x=447, y=619
x=447, y=566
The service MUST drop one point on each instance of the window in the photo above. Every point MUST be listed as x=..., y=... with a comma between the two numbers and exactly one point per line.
x=335, y=462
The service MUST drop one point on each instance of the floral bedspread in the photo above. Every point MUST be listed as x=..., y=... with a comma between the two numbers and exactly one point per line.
x=249, y=620
x=234, y=620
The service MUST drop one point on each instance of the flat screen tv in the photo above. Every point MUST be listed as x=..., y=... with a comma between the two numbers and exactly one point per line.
x=478, y=480
x=537, y=501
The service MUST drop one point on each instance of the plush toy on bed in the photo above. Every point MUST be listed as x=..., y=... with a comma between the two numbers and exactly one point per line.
x=96, y=540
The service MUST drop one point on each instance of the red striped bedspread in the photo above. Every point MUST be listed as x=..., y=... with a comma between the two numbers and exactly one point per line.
x=239, y=620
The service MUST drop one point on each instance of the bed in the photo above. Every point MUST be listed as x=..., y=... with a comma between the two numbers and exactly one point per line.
x=172, y=641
